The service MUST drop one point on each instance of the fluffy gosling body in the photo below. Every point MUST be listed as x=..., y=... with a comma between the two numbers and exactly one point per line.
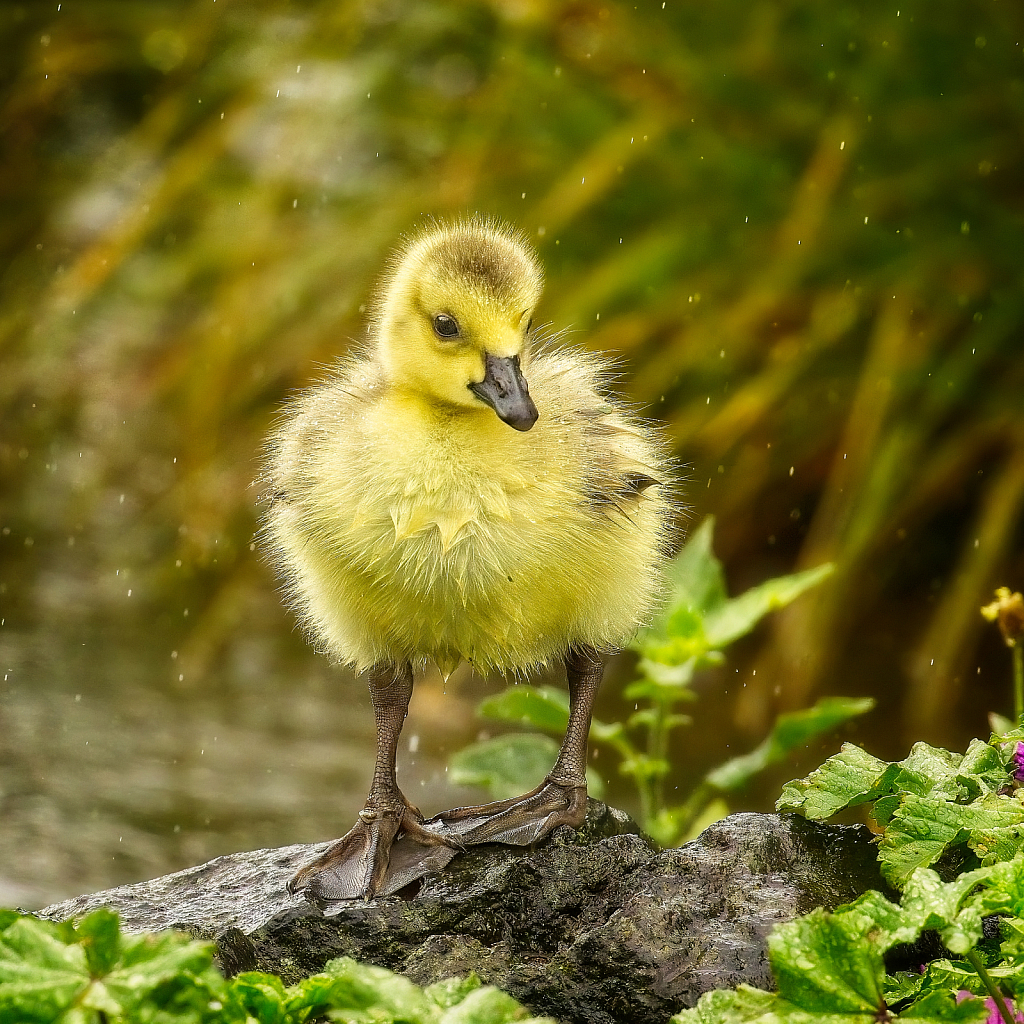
x=457, y=492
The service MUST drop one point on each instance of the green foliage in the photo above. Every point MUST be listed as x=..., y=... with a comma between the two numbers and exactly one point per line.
x=92, y=973
x=932, y=803
x=509, y=765
x=962, y=809
x=698, y=620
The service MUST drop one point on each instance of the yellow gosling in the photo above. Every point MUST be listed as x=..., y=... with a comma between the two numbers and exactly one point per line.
x=458, y=492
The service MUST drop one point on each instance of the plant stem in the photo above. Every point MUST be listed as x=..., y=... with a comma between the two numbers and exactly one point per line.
x=993, y=988
x=1018, y=682
x=657, y=748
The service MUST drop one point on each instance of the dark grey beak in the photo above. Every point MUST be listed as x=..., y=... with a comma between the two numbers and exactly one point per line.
x=504, y=389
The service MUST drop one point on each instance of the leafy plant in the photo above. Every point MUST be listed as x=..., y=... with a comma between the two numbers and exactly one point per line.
x=697, y=623
x=92, y=973
x=934, y=807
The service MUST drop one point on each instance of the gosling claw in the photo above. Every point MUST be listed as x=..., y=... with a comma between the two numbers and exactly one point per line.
x=384, y=851
x=520, y=821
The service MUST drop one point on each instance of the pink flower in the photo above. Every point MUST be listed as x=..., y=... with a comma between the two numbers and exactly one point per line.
x=994, y=1016
x=1017, y=763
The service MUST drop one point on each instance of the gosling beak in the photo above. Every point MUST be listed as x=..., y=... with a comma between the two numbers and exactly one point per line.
x=504, y=389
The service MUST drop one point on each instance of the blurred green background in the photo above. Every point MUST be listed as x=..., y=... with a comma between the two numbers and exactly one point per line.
x=799, y=226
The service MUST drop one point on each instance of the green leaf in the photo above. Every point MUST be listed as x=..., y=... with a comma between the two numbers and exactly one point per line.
x=738, y=616
x=507, y=766
x=982, y=770
x=374, y=995
x=314, y=995
x=674, y=677
x=695, y=575
x=449, y=991
x=40, y=976
x=47, y=970
x=543, y=707
x=262, y=996
x=846, y=779
x=902, y=985
x=881, y=922
x=997, y=844
x=999, y=724
x=100, y=934
x=725, y=1006
x=149, y=961
x=924, y=826
x=823, y=965
x=486, y=1005
x=791, y=730
x=925, y=769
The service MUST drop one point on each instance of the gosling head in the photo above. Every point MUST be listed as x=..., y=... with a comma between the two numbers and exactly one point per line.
x=454, y=317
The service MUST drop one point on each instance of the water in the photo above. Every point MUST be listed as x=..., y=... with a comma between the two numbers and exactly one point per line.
x=109, y=773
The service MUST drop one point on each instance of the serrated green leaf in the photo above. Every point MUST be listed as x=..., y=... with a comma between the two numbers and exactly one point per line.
x=884, y=808
x=846, y=779
x=262, y=996
x=100, y=936
x=949, y=976
x=486, y=1005
x=997, y=844
x=982, y=770
x=926, y=768
x=509, y=765
x=735, y=618
x=449, y=991
x=932, y=903
x=1012, y=933
x=543, y=707
x=149, y=961
x=724, y=1006
x=923, y=826
x=823, y=965
x=791, y=730
x=882, y=923
x=902, y=985
x=317, y=993
x=375, y=996
x=40, y=976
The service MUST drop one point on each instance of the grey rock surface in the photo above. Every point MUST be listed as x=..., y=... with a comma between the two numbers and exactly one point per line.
x=594, y=925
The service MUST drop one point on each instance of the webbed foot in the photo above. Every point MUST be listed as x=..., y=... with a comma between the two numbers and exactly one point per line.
x=368, y=861
x=519, y=821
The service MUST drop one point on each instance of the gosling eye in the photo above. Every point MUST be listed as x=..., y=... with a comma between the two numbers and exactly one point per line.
x=529, y=325
x=446, y=326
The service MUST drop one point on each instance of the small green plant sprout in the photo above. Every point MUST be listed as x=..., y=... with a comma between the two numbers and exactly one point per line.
x=1008, y=610
x=92, y=973
x=699, y=620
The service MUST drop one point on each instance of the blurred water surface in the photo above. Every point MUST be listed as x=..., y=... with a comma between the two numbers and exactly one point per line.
x=797, y=224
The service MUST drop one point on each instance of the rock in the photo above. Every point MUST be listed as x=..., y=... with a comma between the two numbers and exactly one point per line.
x=594, y=925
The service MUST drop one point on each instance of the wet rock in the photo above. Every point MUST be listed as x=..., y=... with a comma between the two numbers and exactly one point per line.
x=594, y=925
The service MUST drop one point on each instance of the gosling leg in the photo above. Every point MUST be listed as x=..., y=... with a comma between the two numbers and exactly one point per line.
x=561, y=799
x=356, y=866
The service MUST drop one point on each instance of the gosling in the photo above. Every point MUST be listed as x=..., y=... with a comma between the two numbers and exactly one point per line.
x=458, y=492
